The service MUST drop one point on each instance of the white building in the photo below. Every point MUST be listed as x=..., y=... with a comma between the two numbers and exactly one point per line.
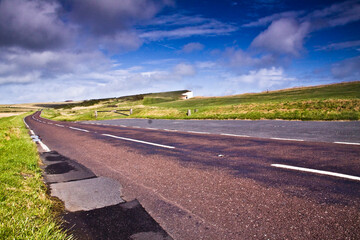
x=187, y=95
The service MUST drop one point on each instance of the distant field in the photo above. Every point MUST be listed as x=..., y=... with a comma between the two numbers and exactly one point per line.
x=328, y=102
x=9, y=114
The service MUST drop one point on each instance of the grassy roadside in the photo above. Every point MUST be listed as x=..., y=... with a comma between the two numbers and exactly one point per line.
x=328, y=102
x=26, y=212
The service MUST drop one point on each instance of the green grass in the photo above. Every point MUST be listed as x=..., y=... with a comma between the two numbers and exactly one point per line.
x=328, y=102
x=334, y=91
x=26, y=212
x=148, y=98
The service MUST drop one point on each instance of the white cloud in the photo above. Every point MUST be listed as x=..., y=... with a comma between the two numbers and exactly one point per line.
x=50, y=64
x=348, y=69
x=337, y=14
x=263, y=78
x=120, y=42
x=241, y=60
x=109, y=17
x=56, y=76
x=206, y=65
x=178, y=19
x=284, y=36
x=191, y=47
x=340, y=45
x=180, y=26
x=269, y=19
x=183, y=69
x=20, y=79
x=32, y=24
x=47, y=25
x=288, y=30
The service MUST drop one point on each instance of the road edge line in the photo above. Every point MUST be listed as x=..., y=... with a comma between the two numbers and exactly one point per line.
x=44, y=147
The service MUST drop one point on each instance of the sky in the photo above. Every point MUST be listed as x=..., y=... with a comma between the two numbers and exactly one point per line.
x=57, y=50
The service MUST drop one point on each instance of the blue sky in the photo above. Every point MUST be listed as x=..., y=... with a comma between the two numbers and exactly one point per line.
x=56, y=50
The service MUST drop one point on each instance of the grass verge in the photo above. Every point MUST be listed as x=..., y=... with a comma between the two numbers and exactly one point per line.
x=26, y=212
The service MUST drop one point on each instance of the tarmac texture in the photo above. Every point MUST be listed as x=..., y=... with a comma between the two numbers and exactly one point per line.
x=212, y=186
x=94, y=208
x=316, y=131
x=122, y=221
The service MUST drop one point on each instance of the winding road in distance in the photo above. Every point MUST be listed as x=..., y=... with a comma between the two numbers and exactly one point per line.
x=221, y=185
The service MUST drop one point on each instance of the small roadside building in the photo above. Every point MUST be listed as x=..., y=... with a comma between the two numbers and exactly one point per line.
x=187, y=95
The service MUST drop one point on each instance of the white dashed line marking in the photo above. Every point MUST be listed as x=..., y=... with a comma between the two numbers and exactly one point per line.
x=340, y=175
x=59, y=125
x=233, y=135
x=349, y=143
x=122, y=126
x=152, y=128
x=79, y=129
x=139, y=141
x=288, y=139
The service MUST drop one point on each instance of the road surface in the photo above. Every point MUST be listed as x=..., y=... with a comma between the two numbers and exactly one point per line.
x=212, y=186
x=316, y=131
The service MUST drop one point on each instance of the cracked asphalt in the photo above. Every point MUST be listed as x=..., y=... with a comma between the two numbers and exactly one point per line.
x=211, y=186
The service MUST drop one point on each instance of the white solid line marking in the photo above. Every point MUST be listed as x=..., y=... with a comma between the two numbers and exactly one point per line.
x=288, y=139
x=59, y=125
x=79, y=129
x=198, y=132
x=122, y=125
x=349, y=143
x=26, y=124
x=233, y=135
x=317, y=171
x=139, y=141
x=170, y=130
x=46, y=149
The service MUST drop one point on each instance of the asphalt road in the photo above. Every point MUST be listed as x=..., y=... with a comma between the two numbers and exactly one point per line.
x=346, y=131
x=212, y=186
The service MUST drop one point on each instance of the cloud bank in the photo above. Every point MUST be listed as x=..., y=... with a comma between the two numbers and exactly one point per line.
x=76, y=49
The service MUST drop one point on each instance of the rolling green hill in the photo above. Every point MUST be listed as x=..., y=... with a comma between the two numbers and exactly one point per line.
x=326, y=102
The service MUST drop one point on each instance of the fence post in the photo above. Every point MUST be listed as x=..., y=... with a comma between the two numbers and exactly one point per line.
x=131, y=111
x=95, y=114
x=188, y=112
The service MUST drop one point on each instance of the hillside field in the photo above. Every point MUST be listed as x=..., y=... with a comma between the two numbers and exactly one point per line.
x=326, y=102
